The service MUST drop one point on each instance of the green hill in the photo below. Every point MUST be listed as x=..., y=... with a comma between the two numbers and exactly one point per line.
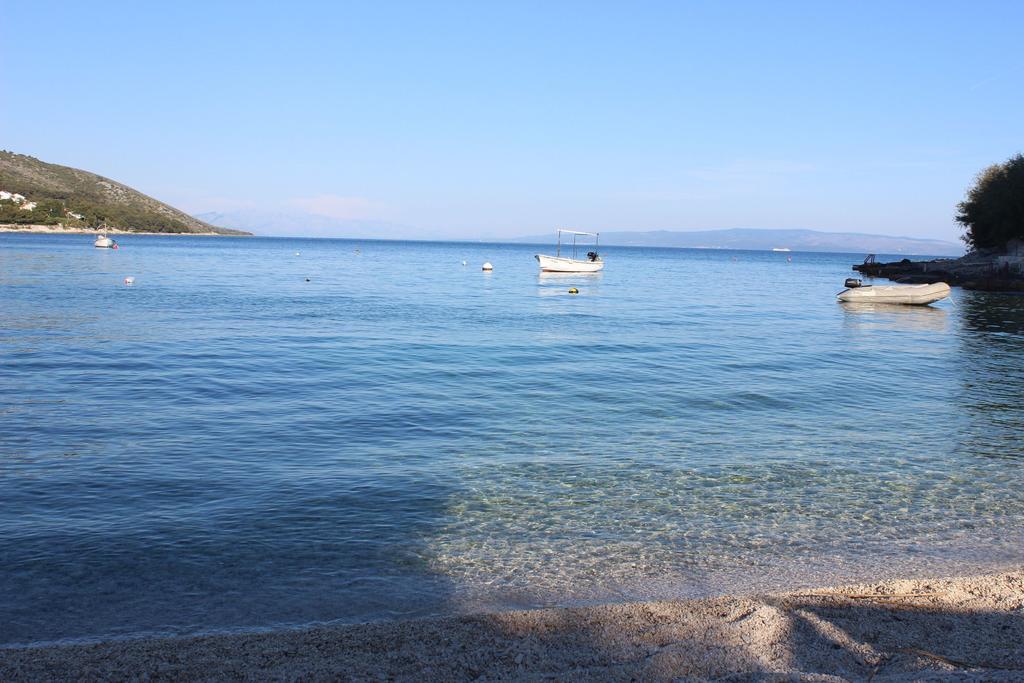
x=52, y=195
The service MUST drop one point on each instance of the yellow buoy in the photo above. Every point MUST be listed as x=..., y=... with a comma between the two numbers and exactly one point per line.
x=574, y=291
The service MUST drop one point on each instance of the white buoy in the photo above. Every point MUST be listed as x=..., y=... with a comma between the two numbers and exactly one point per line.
x=129, y=281
x=488, y=266
x=296, y=253
x=463, y=263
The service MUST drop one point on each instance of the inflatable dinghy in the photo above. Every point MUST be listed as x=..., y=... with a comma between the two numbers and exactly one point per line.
x=917, y=295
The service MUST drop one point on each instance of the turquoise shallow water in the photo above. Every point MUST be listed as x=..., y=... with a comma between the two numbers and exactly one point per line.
x=226, y=445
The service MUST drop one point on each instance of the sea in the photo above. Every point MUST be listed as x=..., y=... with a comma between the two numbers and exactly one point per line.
x=263, y=433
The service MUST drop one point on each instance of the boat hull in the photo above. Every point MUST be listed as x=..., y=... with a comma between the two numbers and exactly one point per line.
x=917, y=295
x=559, y=264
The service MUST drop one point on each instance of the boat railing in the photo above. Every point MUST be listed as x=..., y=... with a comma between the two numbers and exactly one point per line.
x=575, y=233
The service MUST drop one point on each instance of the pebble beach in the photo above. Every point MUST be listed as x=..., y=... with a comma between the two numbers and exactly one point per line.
x=954, y=629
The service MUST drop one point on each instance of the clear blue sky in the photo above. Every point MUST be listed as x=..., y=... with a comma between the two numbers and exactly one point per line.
x=486, y=119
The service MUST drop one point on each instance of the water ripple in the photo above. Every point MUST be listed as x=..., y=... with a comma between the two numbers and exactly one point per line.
x=230, y=445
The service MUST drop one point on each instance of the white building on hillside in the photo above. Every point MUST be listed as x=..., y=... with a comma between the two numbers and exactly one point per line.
x=12, y=196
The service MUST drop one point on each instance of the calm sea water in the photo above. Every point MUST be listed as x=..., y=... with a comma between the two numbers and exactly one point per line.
x=270, y=432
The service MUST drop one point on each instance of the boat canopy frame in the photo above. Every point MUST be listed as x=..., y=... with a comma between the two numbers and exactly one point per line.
x=574, y=233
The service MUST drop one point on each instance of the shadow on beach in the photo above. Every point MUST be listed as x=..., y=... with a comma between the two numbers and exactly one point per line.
x=954, y=629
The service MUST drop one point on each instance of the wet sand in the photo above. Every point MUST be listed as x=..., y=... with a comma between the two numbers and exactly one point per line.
x=967, y=628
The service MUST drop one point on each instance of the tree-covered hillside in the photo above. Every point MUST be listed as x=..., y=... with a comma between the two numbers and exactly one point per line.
x=35, y=192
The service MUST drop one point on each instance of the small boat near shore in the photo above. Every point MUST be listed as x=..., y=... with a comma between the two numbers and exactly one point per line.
x=917, y=295
x=104, y=242
x=563, y=264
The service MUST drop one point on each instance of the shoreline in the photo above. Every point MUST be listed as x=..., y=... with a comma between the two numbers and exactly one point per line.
x=964, y=628
x=55, y=230
x=987, y=272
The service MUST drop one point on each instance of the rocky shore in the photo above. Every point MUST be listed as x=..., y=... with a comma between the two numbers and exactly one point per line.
x=59, y=230
x=987, y=270
x=969, y=628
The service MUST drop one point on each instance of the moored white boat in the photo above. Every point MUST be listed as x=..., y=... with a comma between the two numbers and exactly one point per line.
x=896, y=294
x=104, y=242
x=564, y=264
x=559, y=264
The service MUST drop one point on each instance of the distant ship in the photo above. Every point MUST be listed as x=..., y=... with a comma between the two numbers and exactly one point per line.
x=781, y=249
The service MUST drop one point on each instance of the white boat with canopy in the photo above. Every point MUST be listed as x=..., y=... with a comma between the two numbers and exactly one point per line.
x=563, y=264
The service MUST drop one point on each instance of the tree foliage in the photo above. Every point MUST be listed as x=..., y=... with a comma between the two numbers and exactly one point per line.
x=56, y=212
x=993, y=212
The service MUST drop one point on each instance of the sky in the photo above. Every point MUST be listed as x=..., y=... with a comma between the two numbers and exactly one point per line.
x=483, y=120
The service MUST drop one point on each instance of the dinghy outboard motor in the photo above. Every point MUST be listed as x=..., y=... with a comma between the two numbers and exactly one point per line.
x=592, y=255
x=852, y=282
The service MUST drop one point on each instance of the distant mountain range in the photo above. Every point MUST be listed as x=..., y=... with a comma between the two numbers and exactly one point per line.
x=795, y=240
x=36, y=192
x=288, y=222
